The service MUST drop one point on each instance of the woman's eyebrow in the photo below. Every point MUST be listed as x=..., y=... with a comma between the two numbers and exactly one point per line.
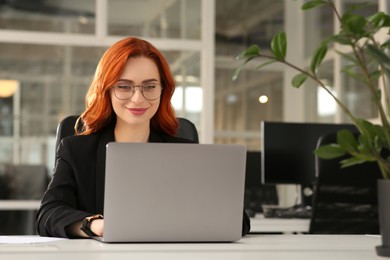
x=150, y=80
x=125, y=80
x=144, y=81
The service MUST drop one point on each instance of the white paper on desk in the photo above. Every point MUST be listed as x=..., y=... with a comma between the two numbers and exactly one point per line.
x=27, y=239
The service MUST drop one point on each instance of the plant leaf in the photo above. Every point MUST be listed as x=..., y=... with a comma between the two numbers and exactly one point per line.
x=351, y=161
x=355, y=24
x=366, y=137
x=379, y=20
x=347, y=141
x=373, y=134
x=375, y=75
x=312, y=4
x=329, y=151
x=354, y=7
x=379, y=56
x=238, y=70
x=350, y=72
x=349, y=57
x=265, y=64
x=251, y=51
x=298, y=80
x=318, y=57
x=279, y=46
x=340, y=38
x=385, y=45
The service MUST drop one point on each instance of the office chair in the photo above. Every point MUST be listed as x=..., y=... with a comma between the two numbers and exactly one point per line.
x=344, y=200
x=66, y=128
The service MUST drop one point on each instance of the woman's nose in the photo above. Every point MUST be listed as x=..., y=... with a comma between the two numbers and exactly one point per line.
x=137, y=96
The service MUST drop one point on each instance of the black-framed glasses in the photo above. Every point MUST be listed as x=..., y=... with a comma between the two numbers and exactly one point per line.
x=149, y=91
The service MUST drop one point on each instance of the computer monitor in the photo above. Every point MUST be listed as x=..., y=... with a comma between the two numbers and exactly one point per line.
x=288, y=150
x=257, y=194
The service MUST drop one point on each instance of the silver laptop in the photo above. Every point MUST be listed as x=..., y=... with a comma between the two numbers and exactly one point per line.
x=159, y=192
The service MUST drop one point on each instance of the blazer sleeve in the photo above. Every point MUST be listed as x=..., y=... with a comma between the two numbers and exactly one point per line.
x=60, y=202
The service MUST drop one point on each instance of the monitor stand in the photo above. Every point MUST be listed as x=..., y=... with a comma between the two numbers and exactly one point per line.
x=306, y=195
x=304, y=208
x=301, y=210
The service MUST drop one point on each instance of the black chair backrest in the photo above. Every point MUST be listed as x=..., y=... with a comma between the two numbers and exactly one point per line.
x=26, y=181
x=66, y=128
x=345, y=200
x=187, y=130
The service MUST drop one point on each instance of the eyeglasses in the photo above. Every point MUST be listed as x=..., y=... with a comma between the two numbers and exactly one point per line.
x=126, y=91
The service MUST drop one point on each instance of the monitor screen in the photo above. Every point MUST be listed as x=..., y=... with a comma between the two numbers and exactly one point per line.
x=257, y=194
x=253, y=169
x=288, y=150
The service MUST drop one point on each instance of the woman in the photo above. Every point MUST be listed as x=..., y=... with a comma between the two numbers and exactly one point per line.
x=128, y=101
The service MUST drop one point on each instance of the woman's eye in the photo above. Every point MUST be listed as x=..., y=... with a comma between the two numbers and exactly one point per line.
x=125, y=87
x=150, y=87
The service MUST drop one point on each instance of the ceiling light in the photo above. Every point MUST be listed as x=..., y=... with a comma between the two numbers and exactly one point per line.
x=8, y=87
x=263, y=99
x=83, y=20
x=231, y=98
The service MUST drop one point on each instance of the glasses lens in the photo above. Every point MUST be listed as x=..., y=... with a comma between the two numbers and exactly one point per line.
x=151, y=91
x=123, y=91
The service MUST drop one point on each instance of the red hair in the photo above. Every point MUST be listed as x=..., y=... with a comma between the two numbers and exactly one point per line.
x=99, y=111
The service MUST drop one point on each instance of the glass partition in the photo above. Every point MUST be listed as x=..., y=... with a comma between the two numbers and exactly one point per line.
x=71, y=16
x=155, y=18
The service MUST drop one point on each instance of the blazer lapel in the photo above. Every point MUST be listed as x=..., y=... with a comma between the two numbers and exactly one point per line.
x=155, y=137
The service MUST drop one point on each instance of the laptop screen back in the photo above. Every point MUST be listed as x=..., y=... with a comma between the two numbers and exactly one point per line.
x=160, y=192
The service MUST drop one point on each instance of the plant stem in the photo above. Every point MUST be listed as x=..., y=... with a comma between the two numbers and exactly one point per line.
x=384, y=111
x=314, y=78
x=384, y=167
x=359, y=54
x=332, y=5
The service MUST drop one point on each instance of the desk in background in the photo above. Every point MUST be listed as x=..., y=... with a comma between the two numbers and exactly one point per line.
x=19, y=204
x=300, y=247
x=18, y=216
x=259, y=224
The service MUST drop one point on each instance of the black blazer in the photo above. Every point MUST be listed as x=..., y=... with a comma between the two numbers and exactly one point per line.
x=77, y=186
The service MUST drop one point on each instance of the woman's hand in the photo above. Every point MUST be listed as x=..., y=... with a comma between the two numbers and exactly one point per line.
x=97, y=227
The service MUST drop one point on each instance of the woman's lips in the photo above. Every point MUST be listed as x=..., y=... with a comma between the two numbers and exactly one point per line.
x=137, y=111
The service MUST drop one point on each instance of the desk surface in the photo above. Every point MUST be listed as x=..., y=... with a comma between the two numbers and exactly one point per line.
x=290, y=247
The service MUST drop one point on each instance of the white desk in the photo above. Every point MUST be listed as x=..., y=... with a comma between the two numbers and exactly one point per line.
x=258, y=223
x=300, y=247
x=285, y=225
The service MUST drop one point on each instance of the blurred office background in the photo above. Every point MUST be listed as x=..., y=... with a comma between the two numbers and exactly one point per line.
x=49, y=50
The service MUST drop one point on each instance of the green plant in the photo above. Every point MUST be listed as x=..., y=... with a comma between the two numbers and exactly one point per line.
x=368, y=63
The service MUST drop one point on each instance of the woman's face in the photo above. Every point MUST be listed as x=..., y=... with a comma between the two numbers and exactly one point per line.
x=136, y=110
